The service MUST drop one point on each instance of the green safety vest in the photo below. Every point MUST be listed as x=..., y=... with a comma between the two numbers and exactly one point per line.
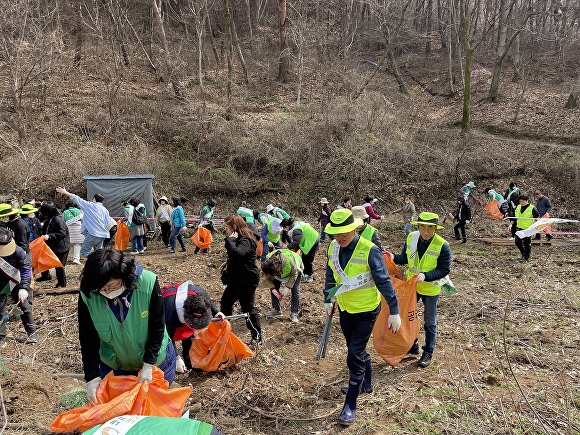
x=264, y=217
x=280, y=214
x=427, y=263
x=247, y=214
x=70, y=213
x=362, y=299
x=123, y=344
x=292, y=258
x=151, y=425
x=368, y=232
x=309, y=236
x=273, y=237
x=528, y=213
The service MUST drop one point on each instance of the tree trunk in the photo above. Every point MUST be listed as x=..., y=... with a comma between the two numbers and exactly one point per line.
x=573, y=97
x=284, y=63
x=450, y=27
x=229, y=53
x=78, y=35
x=468, y=51
x=171, y=73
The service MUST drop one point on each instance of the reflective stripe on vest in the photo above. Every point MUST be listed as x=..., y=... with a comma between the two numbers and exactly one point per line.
x=123, y=344
x=528, y=213
x=367, y=296
x=309, y=236
x=427, y=263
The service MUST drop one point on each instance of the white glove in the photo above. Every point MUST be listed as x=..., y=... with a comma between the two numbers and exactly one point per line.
x=329, y=307
x=394, y=322
x=46, y=237
x=467, y=221
x=146, y=372
x=92, y=390
x=382, y=218
x=284, y=290
x=180, y=365
x=270, y=245
x=220, y=316
x=22, y=295
x=276, y=293
x=421, y=277
x=234, y=235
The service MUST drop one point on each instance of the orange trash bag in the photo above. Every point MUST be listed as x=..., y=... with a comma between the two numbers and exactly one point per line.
x=122, y=236
x=216, y=348
x=42, y=256
x=493, y=211
x=394, y=347
x=202, y=238
x=120, y=395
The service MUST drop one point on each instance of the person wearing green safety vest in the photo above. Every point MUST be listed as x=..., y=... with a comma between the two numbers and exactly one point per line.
x=283, y=270
x=428, y=256
x=121, y=320
x=366, y=231
x=277, y=212
x=271, y=237
x=304, y=237
x=526, y=214
x=356, y=275
x=149, y=425
x=206, y=221
x=248, y=215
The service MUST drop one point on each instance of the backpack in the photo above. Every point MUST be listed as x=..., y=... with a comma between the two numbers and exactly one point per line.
x=138, y=218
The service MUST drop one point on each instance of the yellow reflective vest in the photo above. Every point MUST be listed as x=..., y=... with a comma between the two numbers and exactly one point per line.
x=527, y=213
x=427, y=263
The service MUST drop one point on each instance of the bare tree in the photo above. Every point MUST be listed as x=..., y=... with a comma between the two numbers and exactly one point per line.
x=573, y=97
x=284, y=62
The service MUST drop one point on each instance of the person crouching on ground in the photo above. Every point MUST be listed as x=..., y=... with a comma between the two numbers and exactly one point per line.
x=357, y=276
x=283, y=269
x=427, y=255
x=121, y=320
x=188, y=309
x=304, y=237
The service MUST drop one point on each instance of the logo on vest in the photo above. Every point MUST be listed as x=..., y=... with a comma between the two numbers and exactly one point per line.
x=144, y=314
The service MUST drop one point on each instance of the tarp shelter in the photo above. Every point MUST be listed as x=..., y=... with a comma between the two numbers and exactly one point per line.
x=117, y=188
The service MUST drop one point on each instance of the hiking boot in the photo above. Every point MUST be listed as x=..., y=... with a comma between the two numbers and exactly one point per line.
x=273, y=313
x=464, y=241
x=254, y=342
x=414, y=349
x=308, y=278
x=44, y=278
x=31, y=338
x=294, y=317
x=549, y=237
x=183, y=250
x=425, y=359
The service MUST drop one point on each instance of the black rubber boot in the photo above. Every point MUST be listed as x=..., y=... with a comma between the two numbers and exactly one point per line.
x=367, y=386
x=348, y=413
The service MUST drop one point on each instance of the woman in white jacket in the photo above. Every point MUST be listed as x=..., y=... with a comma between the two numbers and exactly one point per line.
x=73, y=218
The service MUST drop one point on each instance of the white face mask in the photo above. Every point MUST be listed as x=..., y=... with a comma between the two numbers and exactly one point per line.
x=113, y=294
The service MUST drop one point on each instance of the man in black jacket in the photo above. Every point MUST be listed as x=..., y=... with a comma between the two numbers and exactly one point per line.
x=18, y=227
x=15, y=276
x=462, y=215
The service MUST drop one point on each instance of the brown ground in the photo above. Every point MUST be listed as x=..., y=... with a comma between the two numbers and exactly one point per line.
x=506, y=359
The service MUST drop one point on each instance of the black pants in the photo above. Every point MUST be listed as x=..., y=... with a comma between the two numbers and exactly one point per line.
x=525, y=246
x=246, y=294
x=25, y=306
x=308, y=259
x=460, y=225
x=107, y=242
x=165, y=232
x=60, y=274
x=357, y=329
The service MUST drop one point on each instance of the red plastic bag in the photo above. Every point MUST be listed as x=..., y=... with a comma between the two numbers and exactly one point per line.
x=42, y=256
x=394, y=347
x=120, y=395
x=202, y=238
x=122, y=236
x=493, y=211
x=216, y=348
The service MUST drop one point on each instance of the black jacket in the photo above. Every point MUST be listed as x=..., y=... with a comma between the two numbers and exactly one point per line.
x=241, y=262
x=463, y=212
x=58, y=236
x=21, y=233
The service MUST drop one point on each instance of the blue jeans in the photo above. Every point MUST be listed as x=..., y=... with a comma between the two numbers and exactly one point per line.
x=407, y=228
x=357, y=329
x=137, y=243
x=266, y=249
x=91, y=242
x=176, y=234
x=430, y=321
x=167, y=366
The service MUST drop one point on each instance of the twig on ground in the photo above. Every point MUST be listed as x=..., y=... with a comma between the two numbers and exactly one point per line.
x=281, y=417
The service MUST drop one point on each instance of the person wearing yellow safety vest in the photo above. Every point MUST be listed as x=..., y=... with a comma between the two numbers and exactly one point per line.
x=271, y=236
x=428, y=255
x=283, y=270
x=121, y=320
x=304, y=237
x=356, y=276
x=525, y=214
x=367, y=231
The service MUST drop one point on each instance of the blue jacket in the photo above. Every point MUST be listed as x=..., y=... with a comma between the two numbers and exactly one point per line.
x=178, y=217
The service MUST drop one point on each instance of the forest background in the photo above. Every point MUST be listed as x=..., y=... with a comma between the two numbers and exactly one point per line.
x=285, y=102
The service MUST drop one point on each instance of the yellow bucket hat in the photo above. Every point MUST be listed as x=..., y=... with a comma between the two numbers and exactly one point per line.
x=342, y=221
x=7, y=210
x=428, y=218
x=27, y=209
